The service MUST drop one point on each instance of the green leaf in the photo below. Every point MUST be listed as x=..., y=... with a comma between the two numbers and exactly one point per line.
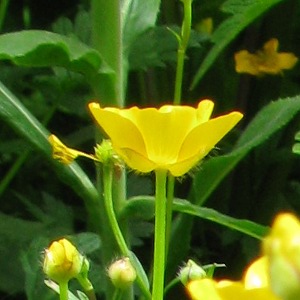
x=243, y=13
x=27, y=126
x=137, y=17
x=38, y=48
x=247, y=227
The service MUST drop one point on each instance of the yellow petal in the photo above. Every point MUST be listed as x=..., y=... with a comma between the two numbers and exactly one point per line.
x=164, y=130
x=257, y=274
x=246, y=62
x=271, y=46
x=286, y=60
x=204, y=110
x=121, y=130
x=203, y=289
x=205, y=136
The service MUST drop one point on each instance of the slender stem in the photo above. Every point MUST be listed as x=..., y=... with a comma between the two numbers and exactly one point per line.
x=169, y=209
x=179, y=76
x=183, y=43
x=159, y=235
x=63, y=291
x=107, y=183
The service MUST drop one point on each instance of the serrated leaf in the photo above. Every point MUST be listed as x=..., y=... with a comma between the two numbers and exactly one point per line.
x=245, y=226
x=180, y=205
x=38, y=48
x=244, y=13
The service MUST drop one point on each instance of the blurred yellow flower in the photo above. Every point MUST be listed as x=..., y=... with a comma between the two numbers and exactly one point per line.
x=62, y=261
x=265, y=61
x=282, y=247
x=255, y=286
x=205, y=26
x=172, y=138
x=64, y=154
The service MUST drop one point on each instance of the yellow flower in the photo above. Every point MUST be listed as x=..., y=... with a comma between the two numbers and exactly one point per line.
x=62, y=261
x=282, y=247
x=265, y=61
x=64, y=154
x=255, y=286
x=172, y=138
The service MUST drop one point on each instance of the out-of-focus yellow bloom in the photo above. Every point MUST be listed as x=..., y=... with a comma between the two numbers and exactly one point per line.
x=255, y=286
x=172, y=138
x=282, y=247
x=62, y=261
x=205, y=26
x=265, y=61
x=64, y=154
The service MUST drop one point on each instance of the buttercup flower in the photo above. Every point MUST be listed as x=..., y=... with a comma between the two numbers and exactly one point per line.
x=62, y=261
x=172, y=138
x=255, y=286
x=282, y=247
x=265, y=61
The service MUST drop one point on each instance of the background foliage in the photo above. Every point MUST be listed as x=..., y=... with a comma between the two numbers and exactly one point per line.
x=47, y=80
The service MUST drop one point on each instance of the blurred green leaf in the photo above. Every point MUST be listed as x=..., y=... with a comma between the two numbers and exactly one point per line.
x=137, y=17
x=158, y=46
x=31, y=258
x=243, y=13
x=26, y=125
x=37, y=48
x=15, y=235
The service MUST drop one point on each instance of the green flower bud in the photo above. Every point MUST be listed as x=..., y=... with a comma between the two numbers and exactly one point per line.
x=62, y=261
x=191, y=271
x=122, y=273
x=106, y=154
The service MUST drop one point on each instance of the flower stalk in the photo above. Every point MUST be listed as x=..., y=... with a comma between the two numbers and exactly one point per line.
x=183, y=41
x=63, y=290
x=107, y=183
x=159, y=235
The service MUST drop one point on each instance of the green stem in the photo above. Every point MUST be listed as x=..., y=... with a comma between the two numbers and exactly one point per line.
x=179, y=76
x=107, y=39
x=117, y=294
x=159, y=235
x=3, y=9
x=63, y=291
x=183, y=43
x=169, y=209
x=107, y=183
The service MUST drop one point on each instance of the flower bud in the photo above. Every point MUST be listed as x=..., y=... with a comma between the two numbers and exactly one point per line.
x=122, y=273
x=191, y=271
x=282, y=247
x=105, y=153
x=62, y=261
